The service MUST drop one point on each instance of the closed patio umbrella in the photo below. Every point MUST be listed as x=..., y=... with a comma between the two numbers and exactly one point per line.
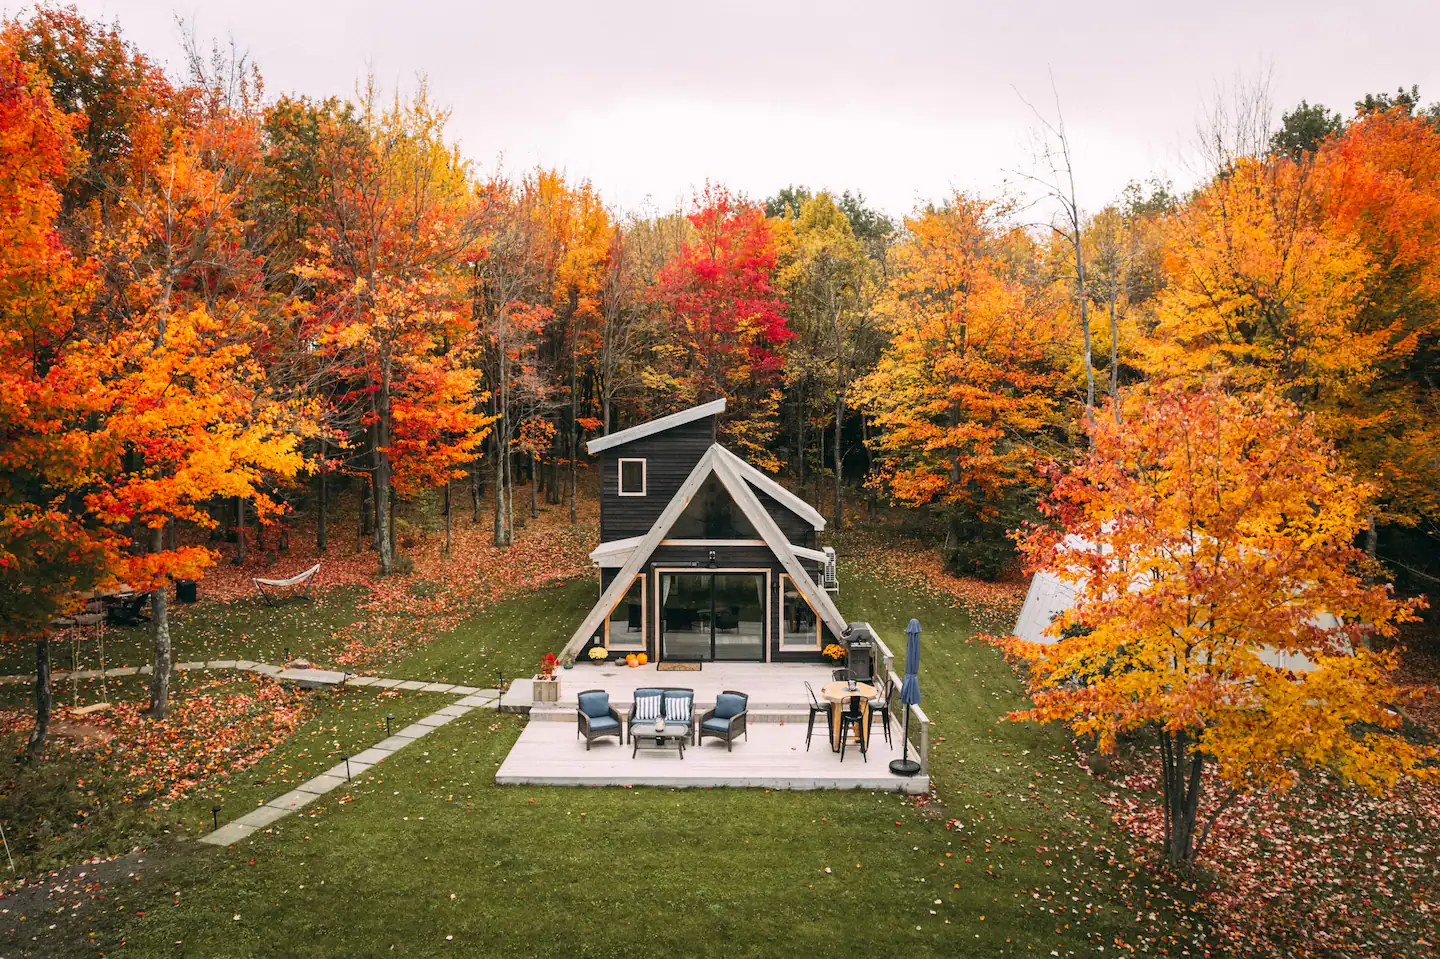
x=909, y=696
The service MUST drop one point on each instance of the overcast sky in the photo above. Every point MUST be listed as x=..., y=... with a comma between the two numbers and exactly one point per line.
x=903, y=101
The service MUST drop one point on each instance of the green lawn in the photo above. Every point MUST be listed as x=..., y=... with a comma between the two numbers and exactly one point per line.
x=431, y=848
x=243, y=629
x=506, y=639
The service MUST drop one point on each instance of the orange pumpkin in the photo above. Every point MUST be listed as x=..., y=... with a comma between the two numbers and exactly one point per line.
x=642, y=659
x=631, y=661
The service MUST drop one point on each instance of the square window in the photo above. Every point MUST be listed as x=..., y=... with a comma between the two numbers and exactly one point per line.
x=632, y=477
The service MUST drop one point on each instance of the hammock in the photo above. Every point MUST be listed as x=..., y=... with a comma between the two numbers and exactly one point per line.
x=276, y=586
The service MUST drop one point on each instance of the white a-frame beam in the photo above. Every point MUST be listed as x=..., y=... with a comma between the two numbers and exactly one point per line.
x=750, y=505
x=621, y=583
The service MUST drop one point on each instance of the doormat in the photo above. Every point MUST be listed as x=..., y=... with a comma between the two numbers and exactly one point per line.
x=677, y=667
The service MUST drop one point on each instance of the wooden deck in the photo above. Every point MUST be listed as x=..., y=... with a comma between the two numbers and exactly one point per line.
x=549, y=754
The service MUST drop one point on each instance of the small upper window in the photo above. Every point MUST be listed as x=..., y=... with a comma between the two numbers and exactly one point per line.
x=632, y=477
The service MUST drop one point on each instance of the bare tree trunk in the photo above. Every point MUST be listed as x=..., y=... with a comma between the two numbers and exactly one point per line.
x=509, y=498
x=447, y=519
x=239, y=531
x=870, y=492
x=800, y=438
x=322, y=519
x=1085, y=327
x=839, y=423
x=1114, y=357
x=360, y=513
x=383, y=525
x=160, y=632
x=1372, y=539
x=44, y=696
x=1182, y=767
x=475, y=474
x=574, y=428
x=535, y=482
x=499, y=486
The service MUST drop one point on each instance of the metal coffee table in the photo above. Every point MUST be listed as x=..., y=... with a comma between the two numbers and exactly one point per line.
x=674, y=734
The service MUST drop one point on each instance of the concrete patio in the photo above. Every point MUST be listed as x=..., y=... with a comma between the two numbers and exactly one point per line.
x=774, y=757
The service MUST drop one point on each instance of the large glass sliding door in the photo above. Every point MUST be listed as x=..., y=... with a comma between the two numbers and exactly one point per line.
x=712, y=616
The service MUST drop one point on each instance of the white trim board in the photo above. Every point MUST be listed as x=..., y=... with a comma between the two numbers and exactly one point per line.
x=664, y=423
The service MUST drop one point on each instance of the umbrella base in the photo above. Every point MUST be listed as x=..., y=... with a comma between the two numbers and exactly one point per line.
x=904, y=767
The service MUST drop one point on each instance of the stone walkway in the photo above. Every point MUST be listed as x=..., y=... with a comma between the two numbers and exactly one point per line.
x=245, y=665
x=340, y=774
x=305, y=793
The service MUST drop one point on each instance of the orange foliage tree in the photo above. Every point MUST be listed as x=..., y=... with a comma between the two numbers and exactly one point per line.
x=393, y=228
x=190, y=417
x=1210, y=537
x=967, y=385
x=48, y=553
x=1318, y=272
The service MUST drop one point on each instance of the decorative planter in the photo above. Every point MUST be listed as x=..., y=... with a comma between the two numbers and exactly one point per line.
x=546, y=690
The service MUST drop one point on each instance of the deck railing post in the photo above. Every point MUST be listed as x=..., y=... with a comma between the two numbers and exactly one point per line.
x=924, y=722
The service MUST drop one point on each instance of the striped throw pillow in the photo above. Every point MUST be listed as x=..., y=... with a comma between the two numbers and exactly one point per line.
x=647, y=707
x=677, y=710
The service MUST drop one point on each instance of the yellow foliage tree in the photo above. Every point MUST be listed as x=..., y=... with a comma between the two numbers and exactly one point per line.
x=967, y=384
x=1210, y=537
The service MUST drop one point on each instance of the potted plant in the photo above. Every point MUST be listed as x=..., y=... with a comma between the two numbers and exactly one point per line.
x=835, y=653
x=547, y=687
x=598, y=655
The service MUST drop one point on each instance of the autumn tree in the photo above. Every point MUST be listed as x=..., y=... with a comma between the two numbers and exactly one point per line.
x=728, y=321
x=629, y=324
x=507, y=287
x=965, y=391
x=1210, y=538
x=394, y=227
x=50, y=551
x=1317, y=273
x=829, y=282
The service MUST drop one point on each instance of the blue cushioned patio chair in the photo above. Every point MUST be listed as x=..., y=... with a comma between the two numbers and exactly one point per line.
x=596, y=718
x=726, y=721
x=647, y=706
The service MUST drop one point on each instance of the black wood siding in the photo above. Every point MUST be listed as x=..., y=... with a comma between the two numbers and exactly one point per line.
x=669, y=458
x=796, y=529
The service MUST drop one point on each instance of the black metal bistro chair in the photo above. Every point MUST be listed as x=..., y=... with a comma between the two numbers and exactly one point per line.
x=842, y=675
x=882, y=703
x=816, y=708
x=595, y=717
x=853, y=715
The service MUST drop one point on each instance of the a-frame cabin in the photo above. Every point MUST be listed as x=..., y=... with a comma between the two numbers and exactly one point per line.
x=702, y=557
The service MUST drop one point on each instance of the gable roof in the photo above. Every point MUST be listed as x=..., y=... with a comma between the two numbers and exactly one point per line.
x=716, y=460
x=664, y=423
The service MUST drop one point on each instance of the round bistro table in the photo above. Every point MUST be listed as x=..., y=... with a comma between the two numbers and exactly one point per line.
x=835, y=694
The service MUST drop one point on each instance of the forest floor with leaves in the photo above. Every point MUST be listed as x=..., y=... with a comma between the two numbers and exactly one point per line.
x=1019, y=851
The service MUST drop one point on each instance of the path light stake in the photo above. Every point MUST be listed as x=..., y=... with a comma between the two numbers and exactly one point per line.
x=347, y=769
x=388, y=717
x=287, y=655
x=215, y=817
x=499, y=688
